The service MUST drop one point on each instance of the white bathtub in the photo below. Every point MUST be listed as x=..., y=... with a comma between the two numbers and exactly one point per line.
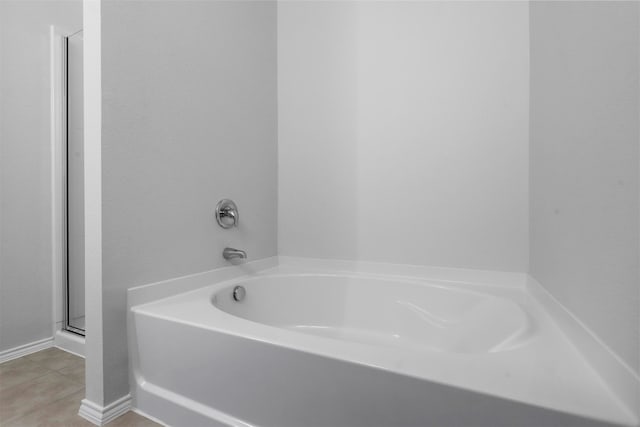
x=336, y=349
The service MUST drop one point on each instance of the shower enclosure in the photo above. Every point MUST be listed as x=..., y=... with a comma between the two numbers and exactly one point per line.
x=73, y=184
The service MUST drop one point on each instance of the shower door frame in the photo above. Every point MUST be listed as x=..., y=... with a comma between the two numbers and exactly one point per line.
x=65, y=187
x=59, y=183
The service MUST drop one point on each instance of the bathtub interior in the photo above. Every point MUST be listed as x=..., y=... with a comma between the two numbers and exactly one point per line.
x=382, y=312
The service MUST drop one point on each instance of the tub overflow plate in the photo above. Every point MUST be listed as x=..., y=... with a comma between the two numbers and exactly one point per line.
x=239, y=292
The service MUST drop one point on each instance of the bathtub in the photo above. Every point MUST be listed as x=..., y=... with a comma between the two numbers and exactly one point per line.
x=328, y=348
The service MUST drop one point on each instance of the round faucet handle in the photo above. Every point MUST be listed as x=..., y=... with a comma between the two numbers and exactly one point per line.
x=227, y=213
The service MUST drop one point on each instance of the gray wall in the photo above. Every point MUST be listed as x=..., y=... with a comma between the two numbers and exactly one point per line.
x=189, y=117
x=403, y=132
x=584, y=164
x=25, y=166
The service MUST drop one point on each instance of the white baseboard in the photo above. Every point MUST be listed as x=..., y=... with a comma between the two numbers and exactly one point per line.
x=69, y=342
x=619, y=377
x=101, y=415
x=23, y=350
x=144, y=414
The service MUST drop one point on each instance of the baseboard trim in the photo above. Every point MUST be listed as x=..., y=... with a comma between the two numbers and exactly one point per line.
x=619, y=377
x=101, y=415
x=144, y=414
x=70, y=342
x=23, y=350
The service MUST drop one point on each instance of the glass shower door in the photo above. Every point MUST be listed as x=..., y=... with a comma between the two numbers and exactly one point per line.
x=75, y=314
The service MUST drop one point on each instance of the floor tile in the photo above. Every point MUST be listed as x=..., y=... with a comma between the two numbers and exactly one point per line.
x=61, y=413
x=44, y=389
x=11, y=364
x=43, y=354
x=74, y=372
x=29, y=396
x=54, y=358
x=18, y=371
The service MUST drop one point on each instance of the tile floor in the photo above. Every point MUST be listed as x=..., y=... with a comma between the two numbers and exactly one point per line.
x=44, y=389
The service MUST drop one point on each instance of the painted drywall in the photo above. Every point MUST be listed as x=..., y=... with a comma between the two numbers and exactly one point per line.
x=95, y=368
x=25, y=166
x=403, y=132
x=188, y=118
x=585, y=109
